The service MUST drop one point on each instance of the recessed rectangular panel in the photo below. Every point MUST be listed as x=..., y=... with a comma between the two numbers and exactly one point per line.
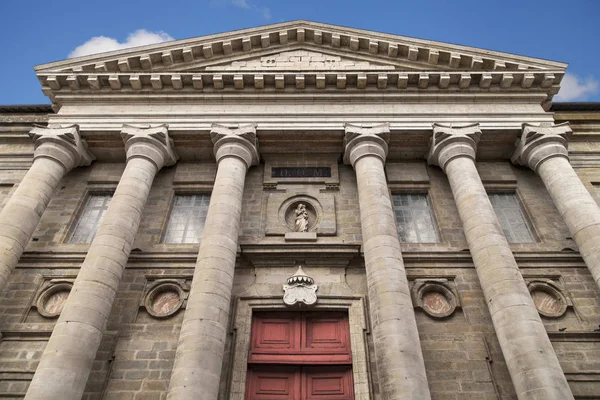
x=282, y=383
x=274, y=333
x=327, y=331
x=328, y=383
x=300, y=338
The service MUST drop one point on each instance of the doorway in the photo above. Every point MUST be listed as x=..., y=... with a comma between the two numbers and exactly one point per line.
x=300, y=356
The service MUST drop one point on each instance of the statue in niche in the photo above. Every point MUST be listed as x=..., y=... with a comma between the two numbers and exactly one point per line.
x=301, y=222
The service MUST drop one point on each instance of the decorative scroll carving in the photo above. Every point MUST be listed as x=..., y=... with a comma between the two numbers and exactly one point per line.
x=64, y=145
x=300, y=290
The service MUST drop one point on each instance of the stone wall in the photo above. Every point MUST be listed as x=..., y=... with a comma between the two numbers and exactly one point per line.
x=462, y=355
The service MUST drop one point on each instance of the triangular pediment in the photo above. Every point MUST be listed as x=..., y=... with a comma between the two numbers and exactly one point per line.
x=325, y=44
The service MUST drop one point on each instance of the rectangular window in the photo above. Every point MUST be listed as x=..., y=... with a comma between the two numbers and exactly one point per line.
x=90, y=218
x=187, y=218
x=511, y=217
x=414, y=218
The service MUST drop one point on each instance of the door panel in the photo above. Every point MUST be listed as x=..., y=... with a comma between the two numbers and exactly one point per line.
x=326, y=333
x=279, y=383
x=300, y=338
x=300, y=356
x=327, y=383
x=276, y=334
x=299, y=383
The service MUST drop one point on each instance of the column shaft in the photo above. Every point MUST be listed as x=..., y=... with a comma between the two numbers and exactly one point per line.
x=397, y=346
x=21, y=215
x=577, y=207
x=531, y=360
x=67, y=360
x=197, y=370
x=56, y=152
x=200, y=351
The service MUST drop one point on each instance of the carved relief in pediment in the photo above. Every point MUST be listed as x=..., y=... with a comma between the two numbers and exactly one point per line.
x=300, y=60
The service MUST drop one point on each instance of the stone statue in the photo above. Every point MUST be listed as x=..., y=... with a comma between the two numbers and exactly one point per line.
x=301, y=223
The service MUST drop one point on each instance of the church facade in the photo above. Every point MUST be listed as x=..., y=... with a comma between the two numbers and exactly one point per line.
x=300, y=211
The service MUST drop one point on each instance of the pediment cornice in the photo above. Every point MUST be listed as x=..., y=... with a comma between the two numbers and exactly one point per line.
x=179, y=54
x=354, y=59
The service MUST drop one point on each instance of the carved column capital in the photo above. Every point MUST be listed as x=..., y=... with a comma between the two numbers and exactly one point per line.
x=450, y=142
x=240, y=142
x=64, y=145
x=360, y=142
x=151, y=143
x=541, y=142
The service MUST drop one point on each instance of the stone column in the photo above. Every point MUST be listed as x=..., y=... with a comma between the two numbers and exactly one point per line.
x=67, y=360
x=398, y=353
x=57, y=151
x=199, y=358
x=531, y=361
x=543, y=148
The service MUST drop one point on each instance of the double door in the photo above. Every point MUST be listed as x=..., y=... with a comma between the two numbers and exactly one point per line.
x=300, y=356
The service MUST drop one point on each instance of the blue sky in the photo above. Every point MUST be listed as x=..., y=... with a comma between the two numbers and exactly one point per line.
x=34, y=32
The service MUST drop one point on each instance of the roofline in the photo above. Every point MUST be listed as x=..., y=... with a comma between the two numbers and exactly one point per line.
x=576, y=106
x=47, y=108
x=26, y=109
x=291, y=24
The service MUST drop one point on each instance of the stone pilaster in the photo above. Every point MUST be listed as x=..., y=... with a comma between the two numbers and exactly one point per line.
x=544, y=149
x=531, y=361
x=398, y=353
x=67, y=360
x=57, y=151
x=199, y=358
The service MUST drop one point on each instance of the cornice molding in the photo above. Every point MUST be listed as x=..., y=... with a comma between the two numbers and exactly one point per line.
x=259, y=82
x=392, y=47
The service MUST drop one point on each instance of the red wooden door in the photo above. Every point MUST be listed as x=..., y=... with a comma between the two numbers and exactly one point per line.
x=300, y=356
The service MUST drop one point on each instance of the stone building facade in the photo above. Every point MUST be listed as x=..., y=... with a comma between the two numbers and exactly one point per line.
x=300, y=211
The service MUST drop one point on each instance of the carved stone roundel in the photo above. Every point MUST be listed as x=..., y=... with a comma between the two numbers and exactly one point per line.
x=436, y=299
x=52, y=300
x=164, y=300
x=548, y=300
x=436, y=303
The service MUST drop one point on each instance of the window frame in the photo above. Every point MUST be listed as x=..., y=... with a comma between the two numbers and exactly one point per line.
x=524, y=213
x=81, y=208
x=167, y=220
x=432, y=213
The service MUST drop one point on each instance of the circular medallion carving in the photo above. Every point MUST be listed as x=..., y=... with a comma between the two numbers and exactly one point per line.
x=435, y=299
x=548, y=300
x=164, y=300
x=436, y=303
x=51, y=301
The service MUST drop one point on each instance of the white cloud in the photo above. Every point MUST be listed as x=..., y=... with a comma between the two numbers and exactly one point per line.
x=240, y=3
x=574, y=88
x=264, y=11
x=100, y=44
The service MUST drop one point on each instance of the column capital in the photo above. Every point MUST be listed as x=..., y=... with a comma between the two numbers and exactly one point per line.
x=449, y=142
x=64, y=145
x=363, y=141
x=240, y=142
x=151, y=143
x=541, y=142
